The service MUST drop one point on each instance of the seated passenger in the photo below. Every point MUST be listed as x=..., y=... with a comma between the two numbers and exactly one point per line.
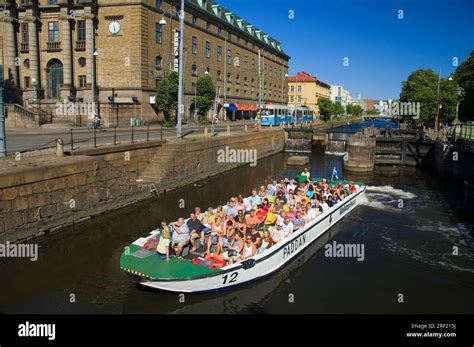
x=270, y=190
x=251, y=219
x=270, y=219
x=235, y=247
x=267, y=241
x=163, y=247
x=225, y=238
x=298, y=221
x=209, y=217
x=255, y=236
x=249, y=248
x=279, y=233
x=231, y=207
x=180, y=236
x=324, y=206
x=255, y=199
x=196, y=229
x=217, y=229
x=287, y=227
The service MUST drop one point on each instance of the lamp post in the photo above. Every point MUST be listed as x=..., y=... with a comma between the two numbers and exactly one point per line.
x=438, y=106
x=181, y=70
x=3, y=137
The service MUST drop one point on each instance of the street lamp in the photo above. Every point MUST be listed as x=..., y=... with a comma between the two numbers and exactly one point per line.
x=181, y=70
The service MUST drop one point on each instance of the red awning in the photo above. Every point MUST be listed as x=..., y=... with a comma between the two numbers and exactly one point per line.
x=248, y=107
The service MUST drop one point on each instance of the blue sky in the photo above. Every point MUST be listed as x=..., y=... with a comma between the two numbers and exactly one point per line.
x=382, y=49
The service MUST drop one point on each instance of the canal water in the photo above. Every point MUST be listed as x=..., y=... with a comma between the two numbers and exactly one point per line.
x=409, y=225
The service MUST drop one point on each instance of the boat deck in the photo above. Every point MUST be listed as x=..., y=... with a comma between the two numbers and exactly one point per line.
x=146, y=263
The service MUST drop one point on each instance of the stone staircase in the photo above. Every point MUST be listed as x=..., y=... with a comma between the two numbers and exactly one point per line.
x=159, y=169
x=22, y=117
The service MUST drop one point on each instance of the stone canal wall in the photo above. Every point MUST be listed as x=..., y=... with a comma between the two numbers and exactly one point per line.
x=35, y=200
x=177, y=164
x=46, y=193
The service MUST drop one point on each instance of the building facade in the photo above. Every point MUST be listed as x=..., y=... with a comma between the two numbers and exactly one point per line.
x=60, y=50
x=305, y=90
x=340, y=94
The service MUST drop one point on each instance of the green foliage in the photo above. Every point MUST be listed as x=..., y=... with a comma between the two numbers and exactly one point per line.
x=464, y=76
x=205, y=90
x=204, y=121
x=422, y=86
x=373, y=112
x=167, y=95
x=326, y=108
x=354, y=110
x=338, y=109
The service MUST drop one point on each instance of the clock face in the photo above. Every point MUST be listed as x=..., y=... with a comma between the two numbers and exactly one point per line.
x=114, y=27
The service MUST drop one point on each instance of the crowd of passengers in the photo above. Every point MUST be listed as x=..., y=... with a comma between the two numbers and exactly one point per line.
x=248, y=226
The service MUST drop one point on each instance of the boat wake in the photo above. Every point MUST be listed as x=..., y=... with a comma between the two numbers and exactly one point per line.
x=457, y=236
x=391, y=191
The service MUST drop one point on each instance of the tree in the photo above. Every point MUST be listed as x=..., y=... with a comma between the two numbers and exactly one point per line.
x=166, y=99
x=357, y=110
x=464, y=75
x=373, y=112
x=338, y=108
x=350, y=109
x=326, y=108
x=422, y=86
x=205, y=90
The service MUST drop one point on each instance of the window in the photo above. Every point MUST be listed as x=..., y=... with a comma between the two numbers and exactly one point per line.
x=219, y=31
x=82, y=81
x=82, y=61
x=158, y=33
x=81, y=30
x=194, y=70
x=208, y=26
x=237, y=59
x=27, y=82
x=299, y=89
x=292, y=88
x=158, y=62
x=208, y=49
x=229, y=36
x=53, y=31
x=194, y=45
x=158, y=4
x=229, y=79
x=26, y=63
x=246, y=62
x=195, y=19
x=24, y=32
x=229, y=56
x=219, y=53
x=299, y=98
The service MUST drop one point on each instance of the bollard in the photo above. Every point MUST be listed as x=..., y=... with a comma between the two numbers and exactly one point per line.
x=59, y=147
x=271, y=126
x=205, y=132
x=228, y=130
x=245, y=128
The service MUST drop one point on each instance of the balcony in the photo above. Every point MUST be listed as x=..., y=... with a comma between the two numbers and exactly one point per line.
x=80, y=45
x=24, y=47
x=53, y=46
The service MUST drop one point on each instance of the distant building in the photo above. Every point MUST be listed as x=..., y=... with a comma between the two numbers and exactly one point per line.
x=340, y=94
x=369, y=104
x=359, y=101
x=305, y=90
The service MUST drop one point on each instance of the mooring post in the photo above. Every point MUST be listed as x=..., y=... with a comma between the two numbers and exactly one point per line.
x=228, y=130
x=59, y=147
x=245, y=128
x=205, y=132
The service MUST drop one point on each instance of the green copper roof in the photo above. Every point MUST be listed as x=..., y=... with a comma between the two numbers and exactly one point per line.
x=229, y=18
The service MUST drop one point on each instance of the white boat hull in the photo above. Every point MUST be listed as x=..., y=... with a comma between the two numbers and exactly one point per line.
x=267, y=262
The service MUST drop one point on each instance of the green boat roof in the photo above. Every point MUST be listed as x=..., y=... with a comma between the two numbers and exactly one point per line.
x=154, y=267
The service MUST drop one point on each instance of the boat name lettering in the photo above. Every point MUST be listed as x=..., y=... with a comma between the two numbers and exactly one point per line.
x=347, y=206
x=293, y=246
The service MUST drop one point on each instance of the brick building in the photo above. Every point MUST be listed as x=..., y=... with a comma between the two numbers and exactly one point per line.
x=59, y=49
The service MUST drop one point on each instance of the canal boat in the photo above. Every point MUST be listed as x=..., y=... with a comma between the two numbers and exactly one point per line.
x=183, y=275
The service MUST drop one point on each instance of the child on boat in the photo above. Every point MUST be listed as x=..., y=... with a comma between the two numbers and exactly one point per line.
x=163, y=248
